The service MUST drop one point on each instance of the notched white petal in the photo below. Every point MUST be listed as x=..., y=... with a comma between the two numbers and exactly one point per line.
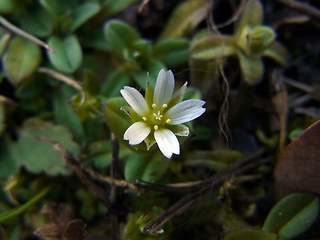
x=136, y=133
x=167, y=142
x=186, y=111
x=164, y=87
x=135, y=100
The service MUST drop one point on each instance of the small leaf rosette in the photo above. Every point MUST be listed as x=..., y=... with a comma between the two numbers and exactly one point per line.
x=159, y=116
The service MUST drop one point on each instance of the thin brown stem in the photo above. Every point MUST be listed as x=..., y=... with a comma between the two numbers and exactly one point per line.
x=113, y=192
x=24, y=34
x=217, y=180
x=302, y=7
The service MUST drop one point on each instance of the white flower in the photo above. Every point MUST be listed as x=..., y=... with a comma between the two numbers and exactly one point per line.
x=158, y=118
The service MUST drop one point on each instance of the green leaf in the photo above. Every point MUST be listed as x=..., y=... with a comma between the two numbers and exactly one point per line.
x=172, y=51
x=2, y=117
x=68, y=53
x=9, y=163
x=117, y=119
x=114, y=83
x=251, y=67
x=203, y=74
x=82, y=13
x=141, y=52
x=37, y=22
x=63, y=112
x=293, y=215
x=120, y=36
x=146, y=167
x=151, y=73
x=254, y=40
x=4, y=41
x=7, y=6
x=113, y=7
x=138, y=220
x=134, y=167
x=156, y=167
x=44, y=157
x=277, y=52
x=21, y=59
x=212, y=47
x=55, y=7
x=250, y=235
x=185, y=18
x=252, y=15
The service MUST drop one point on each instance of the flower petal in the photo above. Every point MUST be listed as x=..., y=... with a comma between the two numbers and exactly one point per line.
x=186, y=111
x=164, y=87
x=136, y=133
x=135, y=100
x=167, y=142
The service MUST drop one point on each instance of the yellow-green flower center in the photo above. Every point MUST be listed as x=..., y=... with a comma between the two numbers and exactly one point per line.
x=156, y=118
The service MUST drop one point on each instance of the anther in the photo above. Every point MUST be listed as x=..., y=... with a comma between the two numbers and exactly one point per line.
x=155, y=127
x=164, y=106
x=144, y=118
x=154, y=105
x=168, y=121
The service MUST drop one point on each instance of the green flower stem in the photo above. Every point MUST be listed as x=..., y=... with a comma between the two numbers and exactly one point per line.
x=17, y=211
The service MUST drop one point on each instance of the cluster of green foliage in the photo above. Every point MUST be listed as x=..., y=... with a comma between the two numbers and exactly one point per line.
x=67, y=94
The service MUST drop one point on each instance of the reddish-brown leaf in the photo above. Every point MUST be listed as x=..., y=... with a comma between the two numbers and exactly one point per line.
x=298, y=167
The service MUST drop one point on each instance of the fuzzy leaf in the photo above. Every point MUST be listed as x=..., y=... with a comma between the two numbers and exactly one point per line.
x=9, y=163
x=120, y=36
x=68, y=53
x=134, y=167
x=251, y=16
x=82, y=13
x=145, y=168
x=44, y=157
x=116, y=118
x=250, y=234
x=113, y=7
x=113, y=84
x=7, y=6
x=63, y=112
x=21, y=59
x=212, y=47
x=4, y=41
x=185, y=18
x=37, y=22
x=55, y=7
x=251, y=67
x=172, y=51
x=277, y=52
x=293, y=215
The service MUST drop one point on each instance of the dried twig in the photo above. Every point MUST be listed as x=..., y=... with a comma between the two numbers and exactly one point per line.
x=302, y=7
x=61, y=77
x=24, y=34
x=241, y=167
x=85, y=176
x=115, y=228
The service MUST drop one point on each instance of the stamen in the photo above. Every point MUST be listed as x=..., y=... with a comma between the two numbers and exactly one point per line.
x=164, y=106
x=154, y=105
x=144, y=118
x=158, y=115
x=168, y=121
x=155, y=127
